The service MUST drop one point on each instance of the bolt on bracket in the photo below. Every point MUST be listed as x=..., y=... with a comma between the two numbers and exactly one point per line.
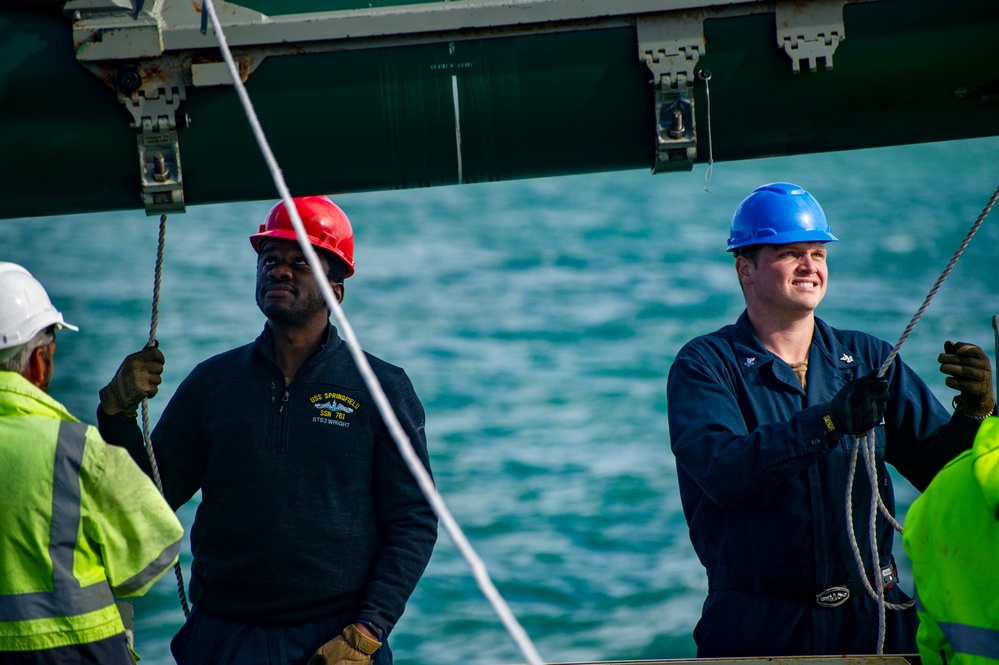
x=155, y=119
x=148, y=83
x=671, y=44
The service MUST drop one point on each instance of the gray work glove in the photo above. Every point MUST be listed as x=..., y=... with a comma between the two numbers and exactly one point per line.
x=858, y=407
x=351, y=648
x=968, y=369
x=138, y=377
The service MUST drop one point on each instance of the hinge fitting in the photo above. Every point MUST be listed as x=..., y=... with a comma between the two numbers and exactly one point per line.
x=671, y=44
x=155, y=114
x=810, y=32
x=149, y=84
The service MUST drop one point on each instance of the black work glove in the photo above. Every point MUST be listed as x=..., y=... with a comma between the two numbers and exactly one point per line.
x=858, y=407
x=138, y=377
x=350, y=648
x=968, y=369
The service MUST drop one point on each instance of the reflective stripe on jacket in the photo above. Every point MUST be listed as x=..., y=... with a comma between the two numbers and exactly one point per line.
x=79, y=523
x=952, y=535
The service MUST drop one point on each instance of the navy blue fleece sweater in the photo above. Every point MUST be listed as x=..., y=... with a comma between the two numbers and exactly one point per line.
x=307, y=506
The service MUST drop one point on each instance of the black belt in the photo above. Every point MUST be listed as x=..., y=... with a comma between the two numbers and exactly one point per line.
x=832, y=596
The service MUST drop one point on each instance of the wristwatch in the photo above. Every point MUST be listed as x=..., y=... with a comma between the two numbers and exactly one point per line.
x=374, y=628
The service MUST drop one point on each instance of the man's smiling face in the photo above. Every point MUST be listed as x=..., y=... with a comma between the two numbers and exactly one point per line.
x=787, y=278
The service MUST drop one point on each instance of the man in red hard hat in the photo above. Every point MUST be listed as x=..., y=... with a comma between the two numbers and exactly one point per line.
x=311, y=533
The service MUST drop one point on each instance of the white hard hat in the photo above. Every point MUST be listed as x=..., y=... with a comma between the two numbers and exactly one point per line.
x=25, y=308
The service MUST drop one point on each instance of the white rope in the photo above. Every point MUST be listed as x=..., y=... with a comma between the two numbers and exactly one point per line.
x=154, y=320
x=423, y=478
x=864, y=442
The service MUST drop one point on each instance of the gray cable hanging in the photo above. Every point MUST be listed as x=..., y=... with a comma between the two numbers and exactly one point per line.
x=861, y=442
x=145, y=402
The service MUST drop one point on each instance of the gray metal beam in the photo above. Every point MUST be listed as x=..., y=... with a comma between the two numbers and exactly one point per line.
x=176, y=25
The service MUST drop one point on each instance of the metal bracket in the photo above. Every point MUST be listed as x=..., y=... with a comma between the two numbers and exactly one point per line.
x=671, y=44
x=149, y=84
x=810, y=32
x=124, y=46
x=154, y=109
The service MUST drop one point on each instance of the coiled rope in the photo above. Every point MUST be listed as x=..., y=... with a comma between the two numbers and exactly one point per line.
x=416, y=467
x=863, y=442
x=157, y=280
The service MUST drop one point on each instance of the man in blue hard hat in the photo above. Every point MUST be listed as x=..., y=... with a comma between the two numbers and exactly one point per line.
x=763, y=417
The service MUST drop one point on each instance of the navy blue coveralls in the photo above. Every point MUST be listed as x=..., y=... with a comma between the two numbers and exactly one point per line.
x=764, y=489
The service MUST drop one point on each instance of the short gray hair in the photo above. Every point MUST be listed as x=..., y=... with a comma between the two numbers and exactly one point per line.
x=18, y=360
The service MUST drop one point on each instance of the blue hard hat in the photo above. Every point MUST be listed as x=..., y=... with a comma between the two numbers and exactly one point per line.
x=778, y=214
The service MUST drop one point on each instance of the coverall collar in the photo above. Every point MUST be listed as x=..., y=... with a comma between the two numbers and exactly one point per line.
x=752, y=356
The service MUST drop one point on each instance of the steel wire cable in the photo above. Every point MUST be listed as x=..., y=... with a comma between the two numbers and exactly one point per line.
x=154, y=321
x=862, y=443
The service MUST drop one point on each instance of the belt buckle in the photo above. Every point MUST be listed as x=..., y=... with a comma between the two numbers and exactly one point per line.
x=834, y=596
x=888, y=577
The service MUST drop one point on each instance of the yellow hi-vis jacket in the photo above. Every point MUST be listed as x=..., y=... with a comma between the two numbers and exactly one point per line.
x=952, y=537
x=79, y=524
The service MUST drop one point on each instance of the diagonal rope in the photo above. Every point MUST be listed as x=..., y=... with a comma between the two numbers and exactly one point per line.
x=416, y=467
x=157, y=280
x=862, y=442
x=940, y=280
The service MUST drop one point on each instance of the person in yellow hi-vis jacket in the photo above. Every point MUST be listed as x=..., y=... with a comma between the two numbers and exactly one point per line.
x=80, y=523
x=952, y=536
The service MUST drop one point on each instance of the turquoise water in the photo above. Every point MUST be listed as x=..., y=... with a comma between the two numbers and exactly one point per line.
x=538, y=320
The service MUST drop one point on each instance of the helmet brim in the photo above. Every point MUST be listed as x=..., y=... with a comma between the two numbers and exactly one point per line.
x=810, y=235
x=289, y=234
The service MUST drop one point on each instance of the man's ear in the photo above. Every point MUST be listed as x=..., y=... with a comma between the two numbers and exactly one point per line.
x=39, y=369
x=743, y=269
x=338, y=291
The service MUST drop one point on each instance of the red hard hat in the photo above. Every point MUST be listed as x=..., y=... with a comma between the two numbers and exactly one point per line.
x=326, y=225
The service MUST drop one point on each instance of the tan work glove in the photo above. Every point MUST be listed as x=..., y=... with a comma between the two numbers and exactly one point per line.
x=969, y=370
x=138, y=377
x=351, y=648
